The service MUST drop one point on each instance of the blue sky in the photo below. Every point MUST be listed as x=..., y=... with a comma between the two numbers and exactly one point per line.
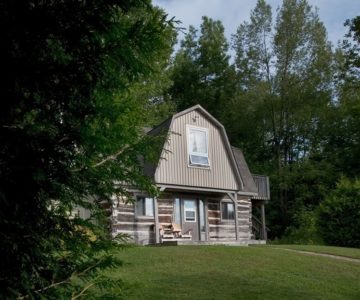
x=332, y=13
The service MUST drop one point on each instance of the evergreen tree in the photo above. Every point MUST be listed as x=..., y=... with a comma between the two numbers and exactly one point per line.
x=70, y=127
x=201, y=72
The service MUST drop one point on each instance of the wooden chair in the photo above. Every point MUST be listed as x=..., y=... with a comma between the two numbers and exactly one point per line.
x=187, y=235
x=178, y=232
x=166, y=232
x=173, y=231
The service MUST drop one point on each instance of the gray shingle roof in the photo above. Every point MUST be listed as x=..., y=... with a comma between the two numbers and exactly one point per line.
x=162, y=128
x=249, y=184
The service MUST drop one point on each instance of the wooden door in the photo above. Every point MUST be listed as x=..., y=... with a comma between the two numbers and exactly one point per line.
x=190, y=217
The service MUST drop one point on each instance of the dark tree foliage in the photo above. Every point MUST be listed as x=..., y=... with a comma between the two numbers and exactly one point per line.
x=339, y=215
x=69, y=128
x=341, y=130
x=201, y=72
x=351, y=47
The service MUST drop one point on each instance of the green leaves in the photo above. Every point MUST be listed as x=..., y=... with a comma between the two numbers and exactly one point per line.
x=252, y=45
x=70, y=128
x=339, y=215
x=201, y=73
x=285, y=72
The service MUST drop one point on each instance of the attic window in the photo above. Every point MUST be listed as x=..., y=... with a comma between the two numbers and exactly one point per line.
x=198, y=146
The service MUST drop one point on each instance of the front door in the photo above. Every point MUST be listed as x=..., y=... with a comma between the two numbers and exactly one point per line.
x=190, y=220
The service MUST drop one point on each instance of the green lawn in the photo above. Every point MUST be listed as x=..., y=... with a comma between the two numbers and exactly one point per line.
x=341, y=251
x=220, y=272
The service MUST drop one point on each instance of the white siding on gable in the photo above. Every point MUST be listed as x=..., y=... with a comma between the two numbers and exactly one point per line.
x=174, y=168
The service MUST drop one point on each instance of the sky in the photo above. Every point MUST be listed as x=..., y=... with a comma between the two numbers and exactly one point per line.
x=232, y=13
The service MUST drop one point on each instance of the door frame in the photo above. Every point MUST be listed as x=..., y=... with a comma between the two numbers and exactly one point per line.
x=201, y=235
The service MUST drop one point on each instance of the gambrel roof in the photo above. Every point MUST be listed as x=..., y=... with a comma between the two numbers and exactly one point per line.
x=237, y=161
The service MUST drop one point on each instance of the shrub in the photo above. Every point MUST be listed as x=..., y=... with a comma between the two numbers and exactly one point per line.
x=339, y=215
x=304, y=231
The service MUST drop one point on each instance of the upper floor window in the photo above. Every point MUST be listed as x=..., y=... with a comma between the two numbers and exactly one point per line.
x=144, y=207
x=198, y=145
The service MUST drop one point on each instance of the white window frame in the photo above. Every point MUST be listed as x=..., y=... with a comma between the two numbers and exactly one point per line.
x=143, y=214
x=190, y=209
x=221, y=211
x=189, y=153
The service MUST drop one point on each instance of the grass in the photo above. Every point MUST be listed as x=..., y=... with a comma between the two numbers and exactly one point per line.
x=340, y=251
x=220, y=272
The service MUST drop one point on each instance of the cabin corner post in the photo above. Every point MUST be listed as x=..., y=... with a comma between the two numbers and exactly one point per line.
x=233, y=197
x=263, y=221
x=156, y=221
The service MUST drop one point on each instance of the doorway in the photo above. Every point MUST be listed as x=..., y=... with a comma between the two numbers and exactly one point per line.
x=190, y=214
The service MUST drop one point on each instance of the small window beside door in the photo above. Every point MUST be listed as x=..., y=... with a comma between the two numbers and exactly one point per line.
x=176, y=211
x=227, y=211
x=197, y=140
x=144, y=207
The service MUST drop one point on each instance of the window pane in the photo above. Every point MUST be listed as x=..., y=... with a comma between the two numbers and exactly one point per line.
x=145, y=207
x=140, y=206
x=190, y=210
x=198, y=147
x=149, y=207
x=231, y=214
x=223, y=210
x=200, y=138
x=189, y=204
x=227, y=211
x=202, y=215
x=197, y=141
x=176, y=216
x=190, y=215
x=192, y=141
x=199, y=160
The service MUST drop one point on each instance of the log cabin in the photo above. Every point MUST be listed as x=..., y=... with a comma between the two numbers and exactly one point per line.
x=207, y=192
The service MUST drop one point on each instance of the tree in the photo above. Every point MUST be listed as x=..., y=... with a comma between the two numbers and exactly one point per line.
x=284, y=72
x=342, y=126
x=254, y=67
x=70, y=128
x=339, y=215
x=351, y=47
x=252, y=44
x=201, y=73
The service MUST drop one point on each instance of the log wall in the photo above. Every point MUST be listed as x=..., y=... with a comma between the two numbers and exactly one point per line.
x=225, y=229
x=165, y=209
x=244, y=217
x=142, y=229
